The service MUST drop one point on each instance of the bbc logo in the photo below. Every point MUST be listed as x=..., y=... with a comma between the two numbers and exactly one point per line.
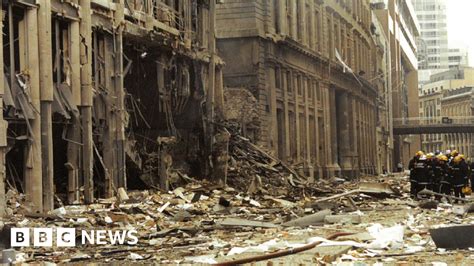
x=66, y=237
x=43, y=237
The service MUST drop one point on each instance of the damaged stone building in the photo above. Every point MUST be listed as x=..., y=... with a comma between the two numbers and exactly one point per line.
x=100, y=95
x=312, y=68
x=401, y=27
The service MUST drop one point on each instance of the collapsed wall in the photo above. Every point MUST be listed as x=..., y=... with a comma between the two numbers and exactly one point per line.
x=102, y=95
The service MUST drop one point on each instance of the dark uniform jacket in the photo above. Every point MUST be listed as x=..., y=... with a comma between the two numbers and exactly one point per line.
x=430, y=168
x=440, y=173
x=472, y=170
x=459, y=174
x=420, y=171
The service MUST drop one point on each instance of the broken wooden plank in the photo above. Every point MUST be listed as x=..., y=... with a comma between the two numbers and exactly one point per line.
x=343, y=218
x=429, y=192
x=372, y=187
x=243, y=222
x=378, y=188
x=308, y=220
x=338, y=196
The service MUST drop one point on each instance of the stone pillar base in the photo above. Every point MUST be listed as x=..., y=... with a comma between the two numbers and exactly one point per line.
x=317, y=172
x=350, y=173
x=332, y=170
x=310, y=170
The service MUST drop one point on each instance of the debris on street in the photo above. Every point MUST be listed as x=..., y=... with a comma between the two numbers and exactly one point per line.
x=204, y=222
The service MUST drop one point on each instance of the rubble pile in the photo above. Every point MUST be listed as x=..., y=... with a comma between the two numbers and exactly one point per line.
x=250, y=166
x=253, y=170
x=204, y=222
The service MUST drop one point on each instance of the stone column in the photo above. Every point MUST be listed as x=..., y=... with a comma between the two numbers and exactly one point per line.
x=329, y=167
x=271, y=20
x=367, y=137
x=33, y=165
x=308, y=87
x=333, y=131
x=3, y=128
x=294, y=24
x=87, y=101
x=120, y=138
x=271, y=96
x=297, y=116
x=46, y=93
x=302, y=21
x=343, y=133
x=74, y=130
x=353, y=141
x=108, y=150
x=312, y=31
x=282, y=19
x=285, y=81
x=316, y=164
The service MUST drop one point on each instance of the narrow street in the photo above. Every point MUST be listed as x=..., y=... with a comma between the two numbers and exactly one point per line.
x=205, y=223
x=334, y=221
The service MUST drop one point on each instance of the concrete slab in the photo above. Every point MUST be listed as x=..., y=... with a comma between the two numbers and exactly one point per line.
x=454, y=237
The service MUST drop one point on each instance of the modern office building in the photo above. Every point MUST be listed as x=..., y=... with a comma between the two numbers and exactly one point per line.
x=458, y=57
x=433, y=51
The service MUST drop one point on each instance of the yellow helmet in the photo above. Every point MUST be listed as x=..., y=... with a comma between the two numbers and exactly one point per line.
x=454, y=153
x=419, y=153
x=467, y=190
x=429, y=155
x=457, y=159
x=443, y=158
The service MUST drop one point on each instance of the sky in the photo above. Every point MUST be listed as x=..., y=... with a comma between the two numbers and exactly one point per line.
x=460, y=26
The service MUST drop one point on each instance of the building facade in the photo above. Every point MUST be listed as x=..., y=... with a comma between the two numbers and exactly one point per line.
x=458, y=57
x=442, y=97
x=94, y=91
x=308, y=63
x=384, y=99
x=430, y=112
x=401, y=28
x=458, y=104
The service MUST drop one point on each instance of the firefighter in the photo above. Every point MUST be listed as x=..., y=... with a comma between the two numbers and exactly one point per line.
x=441, y=181
x=426, y=181
x=448, y=154
x=417, y=168
x=459, y=175
x=453, y=154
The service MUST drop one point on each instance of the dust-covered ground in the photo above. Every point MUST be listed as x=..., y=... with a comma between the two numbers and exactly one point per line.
x=205, y=223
